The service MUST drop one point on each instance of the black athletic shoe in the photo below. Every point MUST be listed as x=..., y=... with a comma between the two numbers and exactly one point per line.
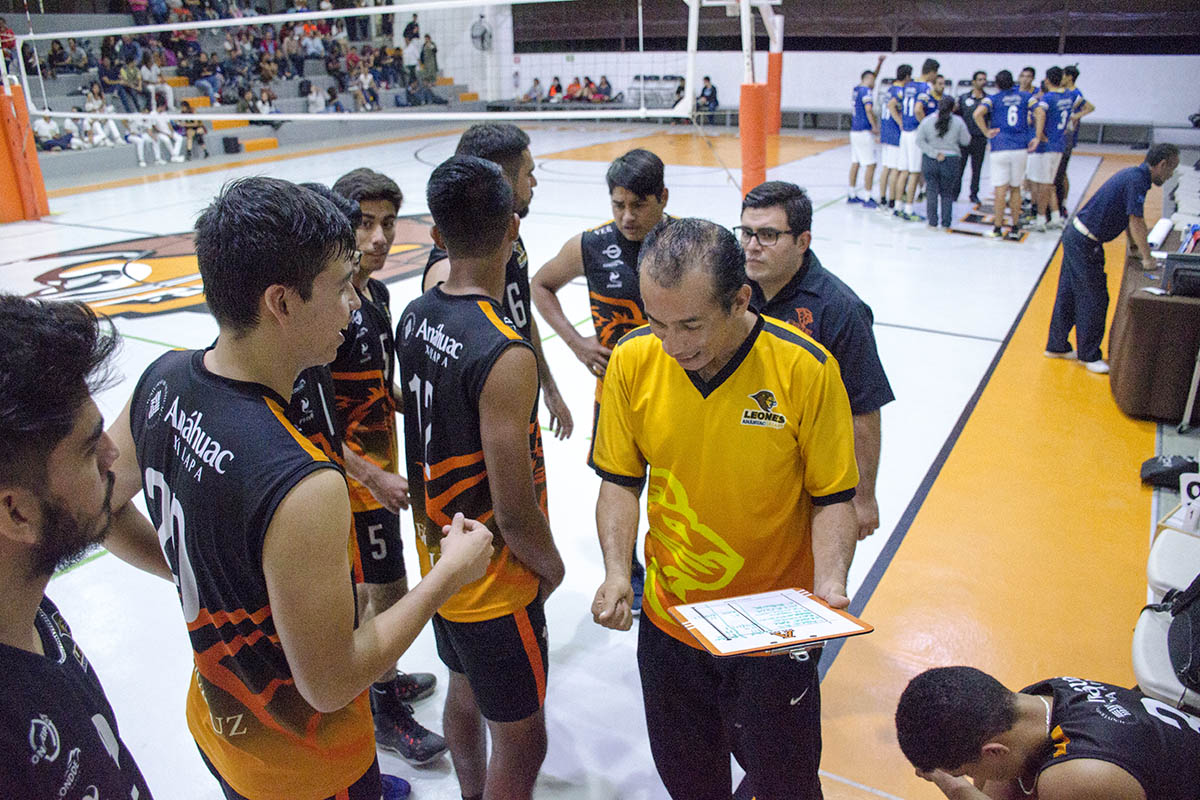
x=401, y=734
x=413, y=686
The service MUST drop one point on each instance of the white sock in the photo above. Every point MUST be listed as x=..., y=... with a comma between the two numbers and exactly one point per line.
x=908, y=209
x=1055, y=216
x=853, y=192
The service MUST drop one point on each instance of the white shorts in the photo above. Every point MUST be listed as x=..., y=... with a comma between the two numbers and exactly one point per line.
x=891, y=156
x=862, y=148
x=1008, y=167
x=1042, y=167
x=910, y=154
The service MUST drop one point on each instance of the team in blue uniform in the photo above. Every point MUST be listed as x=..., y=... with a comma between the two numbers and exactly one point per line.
x=864, y=127
x=1004, y=118
x=1052, y=115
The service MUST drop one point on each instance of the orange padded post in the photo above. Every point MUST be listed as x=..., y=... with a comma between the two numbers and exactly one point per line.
x=775, y=90
x=22, y=191
x=752, y=125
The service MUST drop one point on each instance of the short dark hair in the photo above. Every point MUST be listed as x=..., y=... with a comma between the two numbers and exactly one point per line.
x=1054, y=75
x=499, y=142
x=675, y=247
x=1004, y=80
x=638, y=171
x=367, y=184
x=1030, y=70
x=867, y=72
x=53, y=355
x=930, y=65
x=794, y=200
x=947, y=714
x=903, y=71
x=349, y=208
x=259, y=232
x=1071, y=71
x=977, y=73
x=1160, y=153
x=471, y=202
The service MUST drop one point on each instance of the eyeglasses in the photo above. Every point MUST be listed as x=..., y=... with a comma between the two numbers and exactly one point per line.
x=356, y=258
x=766, y=236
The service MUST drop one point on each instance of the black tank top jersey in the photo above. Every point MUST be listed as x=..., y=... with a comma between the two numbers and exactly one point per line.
x=517, y=297
x=313, y=411
x=217, y=457
x=1157, y=744
x=610, y=265
x=58, y=734
x=447, y=346
x=363, y=371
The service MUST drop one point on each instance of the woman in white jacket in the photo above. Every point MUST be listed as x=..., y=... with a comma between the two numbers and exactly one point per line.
x=104, y=131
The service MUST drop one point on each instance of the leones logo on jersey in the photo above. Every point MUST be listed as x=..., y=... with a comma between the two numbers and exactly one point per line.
x=43, y=740
x=764, y=416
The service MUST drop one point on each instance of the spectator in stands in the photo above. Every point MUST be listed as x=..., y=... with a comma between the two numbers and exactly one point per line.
x=353, y=61
x=412, y=59
x=315, y=99
x=81, y=129
x=367, y=95
x=534, y=95
x=139, y=135
x=49, y=136
x=603, y=91
x=391, y=62
x=131, y=79
x=267, y=69
x=8, y=40
x=339, y=35
x=206, y=78
x=332, y=103
x=154, y=82
x=128, y=48
x=97, y=103
x=137, y=8
x=589, y=89
x=266, y=105
x=412, y=30
x=108, y=48
x=707, y=101
x=77, y=57
x=164, y=133
x=420, y=95
x=555, y=93
x=294, y=53
x=334, y=68
x=159, y=11
x=312, y=44
x=574, y=90
x=110, y=80
x=56, y=59
x=940, y=138
x=429, y=65
x=1025, y=80
x=359, y=26
x=195, y=130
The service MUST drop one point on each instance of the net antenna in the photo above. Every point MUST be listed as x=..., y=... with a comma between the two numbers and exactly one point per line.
x=585, y=111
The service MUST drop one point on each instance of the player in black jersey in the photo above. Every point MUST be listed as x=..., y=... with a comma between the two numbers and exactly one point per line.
x=607, y=257
x=507, y=145
x=255, y=520
x=1059, y=739
x=58, y=733
x=367, y=402
x=471, y=443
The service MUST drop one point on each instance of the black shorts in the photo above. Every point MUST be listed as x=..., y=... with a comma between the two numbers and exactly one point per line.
x=504, y=659
x=379, y=546
x=764, y=710
x=368, y=787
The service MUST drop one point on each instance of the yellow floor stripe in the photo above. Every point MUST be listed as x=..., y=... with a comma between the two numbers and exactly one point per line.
x=1026, y=560
x=218, y=166
x=687, y=149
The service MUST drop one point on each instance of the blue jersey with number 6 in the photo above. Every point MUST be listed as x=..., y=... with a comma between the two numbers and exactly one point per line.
x=1009, y=111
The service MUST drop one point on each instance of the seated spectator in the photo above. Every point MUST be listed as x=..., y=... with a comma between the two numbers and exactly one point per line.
x=80, y=131
x=589, y=89
x=353, y=60
x=574, y=90
x=77, y=57
x=266, y=105
x=49, y=136
x=129, y=48
x=139, y=135
x=603, y=91
x=420, y=94
x=534, y=95
x=294, y=53
x=138, y=10
x=154, y=82
x=339, y=36
x=108, y=48
x=110, y=80
x=429, y=65
x=131, y=78
x=56, y=60
x=161, y=130
x=333, y=67
x=312, y=44
x=206, y=78
x=332, y=103
x=8, y=40
x=194, y=130
x=707, y=101
x=267, y=69
x=367, y=96
x=159, y=11
x=97, y=103
x=555, y=93
x=315, y=99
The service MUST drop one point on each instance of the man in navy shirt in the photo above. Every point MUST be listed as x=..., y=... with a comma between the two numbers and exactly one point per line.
x=967, y=103
x=58, y=733
x=1082, y=299
x=864, y=127
x=788, y=282
x=1004, y=118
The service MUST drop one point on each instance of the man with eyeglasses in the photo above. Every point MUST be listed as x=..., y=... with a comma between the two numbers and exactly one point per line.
x=789, y=283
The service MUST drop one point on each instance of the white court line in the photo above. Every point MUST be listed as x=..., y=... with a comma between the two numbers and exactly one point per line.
x=857, y=785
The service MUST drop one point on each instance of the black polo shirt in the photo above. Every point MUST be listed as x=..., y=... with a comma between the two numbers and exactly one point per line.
x=967, y=103
x=818, y=303
x=1122, y=196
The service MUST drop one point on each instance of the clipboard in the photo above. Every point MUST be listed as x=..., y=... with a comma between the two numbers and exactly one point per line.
x=780, y=622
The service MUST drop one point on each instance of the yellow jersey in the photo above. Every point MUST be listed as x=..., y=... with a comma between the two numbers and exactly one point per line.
x=736, y=463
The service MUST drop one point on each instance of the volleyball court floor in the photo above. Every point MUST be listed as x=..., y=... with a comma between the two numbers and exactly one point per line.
x=943, y=304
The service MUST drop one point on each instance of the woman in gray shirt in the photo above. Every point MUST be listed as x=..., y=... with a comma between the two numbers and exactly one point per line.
x=940, y=137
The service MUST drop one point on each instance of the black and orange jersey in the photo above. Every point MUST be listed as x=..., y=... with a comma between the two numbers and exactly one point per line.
x=447, y=346
x=217, y=457
x=1158, y=744
x=517, y=300
x=362, y=377
x=610, y=265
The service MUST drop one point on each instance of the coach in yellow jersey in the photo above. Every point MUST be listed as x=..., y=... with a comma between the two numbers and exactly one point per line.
x=745, y=427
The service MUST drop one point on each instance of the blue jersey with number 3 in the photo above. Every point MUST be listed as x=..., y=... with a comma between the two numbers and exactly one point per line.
x=1058, y=107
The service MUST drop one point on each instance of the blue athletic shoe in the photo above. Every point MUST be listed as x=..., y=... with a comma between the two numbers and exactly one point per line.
x=637, y=579
x=853, y=199
x=869, y=203
x=394, y=788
